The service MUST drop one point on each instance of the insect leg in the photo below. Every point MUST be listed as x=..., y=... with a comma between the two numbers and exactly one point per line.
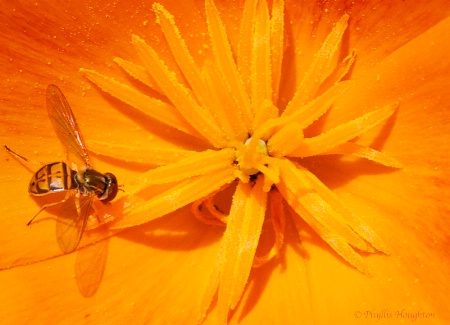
x=45, y=206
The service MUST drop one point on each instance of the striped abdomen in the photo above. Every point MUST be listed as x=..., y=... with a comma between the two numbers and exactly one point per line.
x=55, y=177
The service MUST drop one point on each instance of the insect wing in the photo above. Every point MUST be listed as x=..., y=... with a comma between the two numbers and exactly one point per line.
x=90, y=266
x=66, y=126
x=71, y=222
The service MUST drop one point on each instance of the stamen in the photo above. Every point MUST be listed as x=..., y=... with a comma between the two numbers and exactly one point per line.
x=207, y=212
x=317, y=72
x=278, y=224
x=199, y=163
x=138, y=72
x=261, y=71
x=286, y=139
x=182, y=56
x=179, y=95
x=142, y=208
x=345, y=66
x=277, y=45
x=226, y=108
x=147, y=155
x=245, y=40
x=345, y=132
x=266, y=111
x=152, y=107
x=225, y=61
x=357, y=150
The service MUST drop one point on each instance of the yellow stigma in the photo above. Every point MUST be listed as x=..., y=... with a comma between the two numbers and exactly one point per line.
x=250, y=156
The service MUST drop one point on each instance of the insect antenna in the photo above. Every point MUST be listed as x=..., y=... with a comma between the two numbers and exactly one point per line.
x=17, y=156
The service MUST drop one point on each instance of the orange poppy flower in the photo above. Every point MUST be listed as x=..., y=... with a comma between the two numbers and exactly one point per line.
x=282, y=162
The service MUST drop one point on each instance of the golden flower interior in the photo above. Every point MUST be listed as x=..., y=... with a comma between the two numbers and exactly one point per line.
x=231, y=102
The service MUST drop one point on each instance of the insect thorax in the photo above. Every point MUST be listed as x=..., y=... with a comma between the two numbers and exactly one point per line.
x=91, y=181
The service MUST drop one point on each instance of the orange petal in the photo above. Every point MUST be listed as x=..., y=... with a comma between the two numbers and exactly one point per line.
x=179, y=240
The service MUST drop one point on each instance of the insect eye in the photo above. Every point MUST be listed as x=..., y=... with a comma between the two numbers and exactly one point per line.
x=112, y=188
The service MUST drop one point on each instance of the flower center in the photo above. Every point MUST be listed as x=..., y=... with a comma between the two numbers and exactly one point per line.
x=251, y=156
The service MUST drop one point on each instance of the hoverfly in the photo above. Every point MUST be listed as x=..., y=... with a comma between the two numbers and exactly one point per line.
x=82, y=185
